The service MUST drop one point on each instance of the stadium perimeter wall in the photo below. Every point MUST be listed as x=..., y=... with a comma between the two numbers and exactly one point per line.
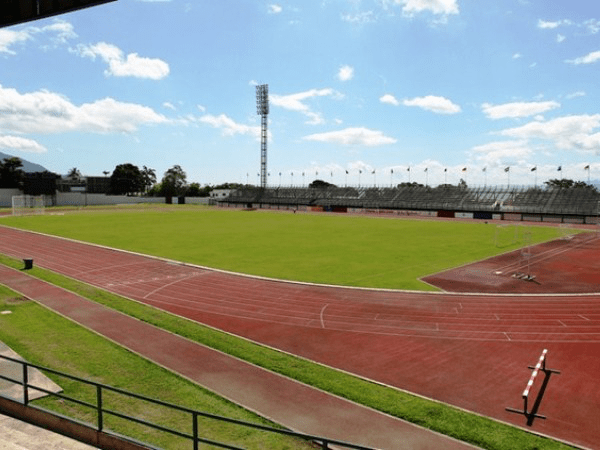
x=86, y=199
x=508, y=216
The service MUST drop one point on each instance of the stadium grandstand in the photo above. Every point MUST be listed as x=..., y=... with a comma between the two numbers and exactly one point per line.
x=550, y=204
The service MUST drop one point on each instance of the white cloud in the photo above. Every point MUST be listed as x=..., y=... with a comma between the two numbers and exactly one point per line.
x=576, y=94
x=439, y=105
x=592, y=26
x=120, y=65
x=8, y=38
x=517, y=109
x=389, y=99
x=567, y=133
x=48, y=112
x=545, y=25
x=441, y=7
x=169, y=105
x=59, y=32
x=587, y=59
x=295, y=102
x=345, y=73
x=502, y=152
x=560, y=38
x=275, y=9
x=228, y=126
x=359, y=18
x=517, y=56
x=20, y=144
x=353, y=137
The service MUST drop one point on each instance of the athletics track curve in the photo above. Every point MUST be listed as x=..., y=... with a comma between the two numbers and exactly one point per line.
x=471, y=351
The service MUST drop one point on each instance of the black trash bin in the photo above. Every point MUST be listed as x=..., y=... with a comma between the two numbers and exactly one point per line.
x=28, y=263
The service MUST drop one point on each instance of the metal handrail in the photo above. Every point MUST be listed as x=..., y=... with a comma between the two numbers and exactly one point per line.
x=194, y=437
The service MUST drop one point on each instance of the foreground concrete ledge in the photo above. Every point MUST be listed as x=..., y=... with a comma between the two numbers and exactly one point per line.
x=68, y=427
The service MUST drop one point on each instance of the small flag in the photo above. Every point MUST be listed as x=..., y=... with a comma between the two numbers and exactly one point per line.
x=484, y=169
x=408, y=169
x=279, y=173
x=533, y=169
x=507, y=169
x=373, y=171
x=302, y=173
x=359, y=171
x=391, y=170
x=559, y=168
x=464, y=169
x=425, y=169
x=346, y=172
x=445, y=170
x=587, y=167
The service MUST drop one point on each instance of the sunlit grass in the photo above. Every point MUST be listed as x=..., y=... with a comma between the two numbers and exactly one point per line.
x=330, y=249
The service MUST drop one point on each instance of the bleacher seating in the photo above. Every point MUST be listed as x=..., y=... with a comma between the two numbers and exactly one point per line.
x=525, y=200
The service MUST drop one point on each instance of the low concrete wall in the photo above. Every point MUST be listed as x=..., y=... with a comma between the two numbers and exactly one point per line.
x=67, y=427
x=6, y=196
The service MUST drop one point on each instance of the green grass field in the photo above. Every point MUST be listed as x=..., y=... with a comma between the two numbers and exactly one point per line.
x=331, y=249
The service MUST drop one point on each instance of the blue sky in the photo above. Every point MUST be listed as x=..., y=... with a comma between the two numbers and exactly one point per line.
x=357, y=86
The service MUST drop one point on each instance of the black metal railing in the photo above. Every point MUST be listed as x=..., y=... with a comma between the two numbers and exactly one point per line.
x=194, y=437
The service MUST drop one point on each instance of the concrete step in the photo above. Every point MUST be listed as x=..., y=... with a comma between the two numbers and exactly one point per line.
x=17, y=435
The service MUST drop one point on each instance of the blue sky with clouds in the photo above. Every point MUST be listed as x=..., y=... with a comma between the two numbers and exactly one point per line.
x=357, y=86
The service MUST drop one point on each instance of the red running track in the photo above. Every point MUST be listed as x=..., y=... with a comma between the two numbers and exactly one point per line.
x=471, y=351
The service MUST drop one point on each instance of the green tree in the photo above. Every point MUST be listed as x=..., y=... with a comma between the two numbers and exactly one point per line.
x=566, y=183
x=148, y=178
x=174, y=182
x=126, y=179
x=74, y=174
x=11, y=174
x=320, y=184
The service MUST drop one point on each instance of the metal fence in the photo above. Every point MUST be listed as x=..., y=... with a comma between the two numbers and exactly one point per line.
x=195, y=437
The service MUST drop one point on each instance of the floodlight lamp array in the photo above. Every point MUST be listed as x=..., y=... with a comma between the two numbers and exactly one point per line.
x=262, y=99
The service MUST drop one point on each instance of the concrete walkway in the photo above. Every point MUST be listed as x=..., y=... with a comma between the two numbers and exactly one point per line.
x=282, y=400
x=17, y=435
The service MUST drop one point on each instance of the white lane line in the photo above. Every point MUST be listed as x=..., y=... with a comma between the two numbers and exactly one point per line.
x=321, y=315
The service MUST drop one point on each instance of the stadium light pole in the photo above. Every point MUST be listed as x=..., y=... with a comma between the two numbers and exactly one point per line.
x=262, y=109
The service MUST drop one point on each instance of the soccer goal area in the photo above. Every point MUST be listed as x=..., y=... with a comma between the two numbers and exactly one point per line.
x=511, y=234
x=27, y=205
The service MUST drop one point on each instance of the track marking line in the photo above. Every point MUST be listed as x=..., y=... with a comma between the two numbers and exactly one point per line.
x=167, y=285
x=562, y=323
x=321, y=315
x=507, y=336
x=497, y=317
x=584, y=318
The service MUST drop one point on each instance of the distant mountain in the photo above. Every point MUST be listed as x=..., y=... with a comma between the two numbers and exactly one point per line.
x=27, y=166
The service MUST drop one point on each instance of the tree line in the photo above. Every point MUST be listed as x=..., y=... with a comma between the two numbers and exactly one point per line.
x=126, y=179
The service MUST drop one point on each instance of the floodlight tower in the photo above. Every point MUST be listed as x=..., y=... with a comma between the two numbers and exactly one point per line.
x=262, y=109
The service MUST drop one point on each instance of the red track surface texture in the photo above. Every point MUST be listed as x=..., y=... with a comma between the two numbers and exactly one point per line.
x=471, y=351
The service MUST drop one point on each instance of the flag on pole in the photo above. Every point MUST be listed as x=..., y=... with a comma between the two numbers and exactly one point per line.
x=445, y=170
x=507, y=169
x=464, y=169
x=346, y=172
x=373, y=171
x=484, y=169
x=533, y=169
x=559, y=168
x=391, y=170
x=587, y=167
x=359, y=171
x=425, y=169
x=408, y=169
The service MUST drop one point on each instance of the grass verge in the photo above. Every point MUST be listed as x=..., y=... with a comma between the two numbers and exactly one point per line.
x=47, y=339
x=480, y=431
